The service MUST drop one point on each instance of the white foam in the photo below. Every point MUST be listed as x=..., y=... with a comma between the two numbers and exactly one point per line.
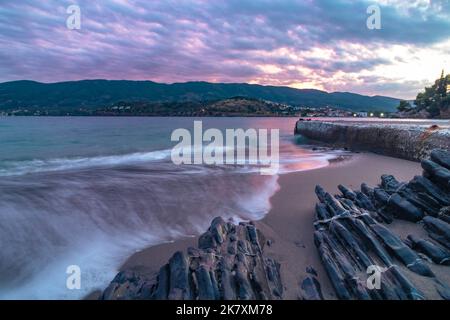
x=60, y=164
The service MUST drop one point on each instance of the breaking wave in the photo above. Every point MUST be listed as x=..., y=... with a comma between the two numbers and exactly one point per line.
x=11, y=168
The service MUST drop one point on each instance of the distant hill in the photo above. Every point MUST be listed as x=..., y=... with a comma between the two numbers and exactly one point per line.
x=100, y=93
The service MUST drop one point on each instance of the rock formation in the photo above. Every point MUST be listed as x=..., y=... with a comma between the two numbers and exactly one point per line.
x=405, y=141
x=351, y=236
x=228, y=264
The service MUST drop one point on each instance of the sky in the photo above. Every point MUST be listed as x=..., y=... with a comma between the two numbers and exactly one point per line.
x=320, y=44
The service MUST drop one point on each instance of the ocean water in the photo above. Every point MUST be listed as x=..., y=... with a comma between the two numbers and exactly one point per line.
x=92, y=191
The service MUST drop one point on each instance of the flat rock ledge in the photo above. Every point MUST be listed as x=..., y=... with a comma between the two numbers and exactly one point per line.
x=406, y=141
x=229, y=264
x=351, y=233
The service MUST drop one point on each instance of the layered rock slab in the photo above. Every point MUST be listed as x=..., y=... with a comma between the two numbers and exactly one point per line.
x=229, y=264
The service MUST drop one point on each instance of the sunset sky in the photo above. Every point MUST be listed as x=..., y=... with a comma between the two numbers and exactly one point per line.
x=304, y=44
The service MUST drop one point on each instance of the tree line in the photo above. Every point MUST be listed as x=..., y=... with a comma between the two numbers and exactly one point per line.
x=434, y=100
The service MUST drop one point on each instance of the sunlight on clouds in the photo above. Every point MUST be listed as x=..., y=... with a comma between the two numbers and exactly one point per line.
x=414, y=63
x=405, y=64
x=270, y=68
x=302, y=44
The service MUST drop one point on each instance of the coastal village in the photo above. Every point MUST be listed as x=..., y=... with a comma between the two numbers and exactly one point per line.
x=277, y=110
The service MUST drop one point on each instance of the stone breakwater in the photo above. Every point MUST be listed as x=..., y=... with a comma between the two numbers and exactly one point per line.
x=229, y=264
x=407, y=141
x=351, y=233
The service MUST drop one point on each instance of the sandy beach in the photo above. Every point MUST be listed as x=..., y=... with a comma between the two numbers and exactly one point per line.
x=289, y=224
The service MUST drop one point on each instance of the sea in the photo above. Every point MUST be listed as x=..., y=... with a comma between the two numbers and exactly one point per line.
x=91, y=191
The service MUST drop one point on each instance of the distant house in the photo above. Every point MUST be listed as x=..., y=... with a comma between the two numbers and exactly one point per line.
x=362, y=114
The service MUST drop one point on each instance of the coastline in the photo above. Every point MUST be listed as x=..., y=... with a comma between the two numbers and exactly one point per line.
x=289, y=223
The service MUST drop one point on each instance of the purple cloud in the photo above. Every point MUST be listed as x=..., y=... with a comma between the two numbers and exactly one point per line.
x=268, y=42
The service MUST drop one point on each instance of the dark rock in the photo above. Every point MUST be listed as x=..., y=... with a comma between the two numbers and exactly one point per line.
x=404, y=209
x=439, y=230
x=322, y=211
x=310, y=287
x=206, y=241
x=163, y=284
x=437, y=253
x=179, y=288
x=350, y=237
x=206, y=290
x=229, y=264
x=331, y=267
x=426, y=203
x=312, y=271
x=437, y=173
x=402, y=252
x=367, y=190
x=443, y=290
x=129, y=285
x=381, y=196
x=364, y=201
x=444, y=214
x=441, y=157
x=422, y=184
x=408, y=287
x=390, y=184
x=349, y=194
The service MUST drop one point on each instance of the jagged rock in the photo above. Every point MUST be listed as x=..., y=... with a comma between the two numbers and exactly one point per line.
x=349, y=194
x=424, y=202
x=441, y=157
x=129, y=285
x=404, y=209
x=350, y=237
x=367, y=190
x=228, y=264
x=437, y=173
x=349, y=242
x=443, y=290
x=381, y=196
x=179, y=288
x=421, y=184
x=444, y=214
x=364, y=201
x=348, y=246
x=310, y=286
x=437, y=253
x=402, y=252
x=438, y=230
x=390, y=184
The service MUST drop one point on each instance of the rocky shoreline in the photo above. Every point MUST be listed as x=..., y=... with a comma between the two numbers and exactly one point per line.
x=408, y=141
x=228, y=264
x=352, y=237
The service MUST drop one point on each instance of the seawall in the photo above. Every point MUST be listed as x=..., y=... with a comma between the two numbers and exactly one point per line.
x=409, y=141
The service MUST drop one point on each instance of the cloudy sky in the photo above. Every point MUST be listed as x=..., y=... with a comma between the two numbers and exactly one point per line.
x=322, y=44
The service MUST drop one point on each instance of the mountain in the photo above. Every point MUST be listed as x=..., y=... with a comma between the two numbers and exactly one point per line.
x=99, y=93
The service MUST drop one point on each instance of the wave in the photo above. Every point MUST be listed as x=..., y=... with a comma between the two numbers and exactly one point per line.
x=17, y=168
x=14, y=168
x=95, y=218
